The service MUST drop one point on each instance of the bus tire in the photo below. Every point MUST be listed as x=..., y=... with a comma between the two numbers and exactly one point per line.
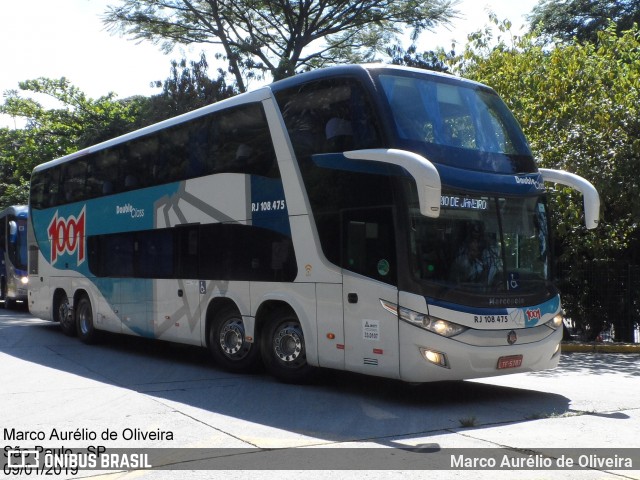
x=62, y=315
x=283, y=349
x=83, y=314
x=227, y=343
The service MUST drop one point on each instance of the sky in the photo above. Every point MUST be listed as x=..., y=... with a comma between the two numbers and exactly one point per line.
x=56, y=38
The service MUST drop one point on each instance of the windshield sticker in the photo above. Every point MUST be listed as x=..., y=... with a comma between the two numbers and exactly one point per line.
x=466, y=203
x=514, y=281
x=383, y=267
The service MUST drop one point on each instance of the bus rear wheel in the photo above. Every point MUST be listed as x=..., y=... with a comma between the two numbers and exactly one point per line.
x=228, y=344
x=83, y=314
x=62, y=315
x=283, y=349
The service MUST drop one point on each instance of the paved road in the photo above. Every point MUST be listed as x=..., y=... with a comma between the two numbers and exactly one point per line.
x=139, y=394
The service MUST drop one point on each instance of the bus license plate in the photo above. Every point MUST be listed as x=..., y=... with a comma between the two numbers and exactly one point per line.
x=512, y=361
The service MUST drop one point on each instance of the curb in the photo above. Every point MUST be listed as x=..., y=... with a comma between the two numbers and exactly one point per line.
x=600, y=348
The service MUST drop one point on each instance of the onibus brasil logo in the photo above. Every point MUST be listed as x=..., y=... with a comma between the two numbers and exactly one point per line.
x=67, y=236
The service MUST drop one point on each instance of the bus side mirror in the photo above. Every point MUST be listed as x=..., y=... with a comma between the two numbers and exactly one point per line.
x=589, y=193
x=422, y=170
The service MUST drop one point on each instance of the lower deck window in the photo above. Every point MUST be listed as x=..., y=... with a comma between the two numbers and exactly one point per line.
x=218, y=251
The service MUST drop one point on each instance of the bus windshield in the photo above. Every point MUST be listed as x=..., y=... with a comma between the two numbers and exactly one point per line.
x=483, y=245
x=460, y=124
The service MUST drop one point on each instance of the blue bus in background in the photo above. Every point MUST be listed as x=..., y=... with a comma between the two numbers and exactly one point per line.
x=13, y=248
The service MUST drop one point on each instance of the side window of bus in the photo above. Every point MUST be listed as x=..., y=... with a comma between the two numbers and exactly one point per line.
x=45, y=187
x=240, y=142
x=368, y=243
x=333, y=115
x=173, y=158
x=235, y=140
x=103, y=174
x=111, y=255
x=336, y=115
x=142, y=155
x=74, y=176
x=187, y=251
x=153, y=250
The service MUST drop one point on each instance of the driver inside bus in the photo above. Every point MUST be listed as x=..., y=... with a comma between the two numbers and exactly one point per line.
x=477, y=261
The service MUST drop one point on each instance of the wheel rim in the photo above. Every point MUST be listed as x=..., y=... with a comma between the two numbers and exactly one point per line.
x=85, y=320
x=232, y=339
x=288, y=344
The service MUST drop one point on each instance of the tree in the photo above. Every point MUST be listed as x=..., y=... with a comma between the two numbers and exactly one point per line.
x=187, y=88
x=76, y=122
x=583, y=19
x=579, y=105
x=278, y=37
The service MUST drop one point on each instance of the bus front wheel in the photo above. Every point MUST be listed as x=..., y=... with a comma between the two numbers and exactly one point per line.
x=84, y=321
x=227, y=342
x=283, y=349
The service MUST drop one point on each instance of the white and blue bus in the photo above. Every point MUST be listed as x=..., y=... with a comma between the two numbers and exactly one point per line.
x=382, y=220
x=13, y=255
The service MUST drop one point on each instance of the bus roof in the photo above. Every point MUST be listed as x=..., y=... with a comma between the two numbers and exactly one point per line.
x=362, y=70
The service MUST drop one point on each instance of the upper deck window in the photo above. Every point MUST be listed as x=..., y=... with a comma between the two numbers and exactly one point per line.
x=233, y=140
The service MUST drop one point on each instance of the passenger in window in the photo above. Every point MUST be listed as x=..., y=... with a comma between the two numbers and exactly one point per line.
x=478, y=260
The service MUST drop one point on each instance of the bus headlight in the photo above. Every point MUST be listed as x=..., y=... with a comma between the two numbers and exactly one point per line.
x=437, y=358
x=24, y=280
x=432, y=324
x=555, y=322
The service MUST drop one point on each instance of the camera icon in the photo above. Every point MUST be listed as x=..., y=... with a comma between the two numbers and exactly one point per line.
x=22, y=458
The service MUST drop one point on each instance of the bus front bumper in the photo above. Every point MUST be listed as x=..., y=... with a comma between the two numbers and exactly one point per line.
x=427, y=357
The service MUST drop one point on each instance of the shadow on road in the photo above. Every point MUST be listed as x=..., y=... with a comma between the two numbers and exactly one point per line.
x=369, y=407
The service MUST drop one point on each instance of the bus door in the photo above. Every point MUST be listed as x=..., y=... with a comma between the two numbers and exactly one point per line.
x=369, y=275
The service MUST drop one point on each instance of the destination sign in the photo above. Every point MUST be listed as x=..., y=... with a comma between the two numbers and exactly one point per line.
x=467, y=203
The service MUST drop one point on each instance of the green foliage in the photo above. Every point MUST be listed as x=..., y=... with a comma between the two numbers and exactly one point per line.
x=74, y=122
x=188, y=88
x=581, y=20
x=579, y=107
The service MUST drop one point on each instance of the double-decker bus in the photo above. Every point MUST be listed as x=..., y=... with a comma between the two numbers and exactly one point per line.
x=13, y=255
x=382, y=220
